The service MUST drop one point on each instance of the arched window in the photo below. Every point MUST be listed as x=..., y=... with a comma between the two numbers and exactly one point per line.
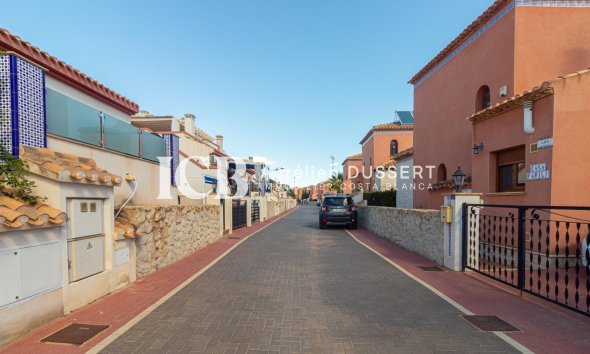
x=393, y=148
x=482, y=99
x=441, y=173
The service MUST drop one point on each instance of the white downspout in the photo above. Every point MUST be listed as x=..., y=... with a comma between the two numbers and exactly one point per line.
x=528, y=117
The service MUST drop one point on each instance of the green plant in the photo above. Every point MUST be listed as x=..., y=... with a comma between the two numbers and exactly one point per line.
x=13, y=180
x=385, y=198
x=336, y=182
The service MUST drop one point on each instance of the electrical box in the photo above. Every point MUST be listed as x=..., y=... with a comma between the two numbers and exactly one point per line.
x=86, y=217
x=86, y=257
x=446, y=214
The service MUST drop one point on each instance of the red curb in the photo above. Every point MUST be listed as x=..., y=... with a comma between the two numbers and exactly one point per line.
x=120, y=307
x=546, y=327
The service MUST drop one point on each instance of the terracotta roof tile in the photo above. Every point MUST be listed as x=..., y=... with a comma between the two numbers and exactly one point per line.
x=15, y=214
x=403, y=154
x=536, y=93
x=124, y=229
x=66, y=167
x=391, y=126
x=356, y=157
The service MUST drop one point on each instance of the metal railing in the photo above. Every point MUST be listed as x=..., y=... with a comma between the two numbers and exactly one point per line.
x=542, y=250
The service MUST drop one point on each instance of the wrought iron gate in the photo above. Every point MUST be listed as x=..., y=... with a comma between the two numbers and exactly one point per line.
x=255, y=211
x=542, y=250
x=239, y=213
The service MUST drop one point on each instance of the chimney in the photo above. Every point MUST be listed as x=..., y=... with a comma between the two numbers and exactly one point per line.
x=189, y=123
x=219, y=141
x=250, y=159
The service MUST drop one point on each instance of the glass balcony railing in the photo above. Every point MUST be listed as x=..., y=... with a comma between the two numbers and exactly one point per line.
x=71, y=119
x=120, y=136
x=152, y=146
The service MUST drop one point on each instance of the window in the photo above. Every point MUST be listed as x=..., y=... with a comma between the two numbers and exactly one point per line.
x=393, y=148
x=511, y=170
x=441, y=173
x=482, y=99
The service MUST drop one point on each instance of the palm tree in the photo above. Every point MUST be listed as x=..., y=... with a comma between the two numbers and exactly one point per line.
x=336, y=182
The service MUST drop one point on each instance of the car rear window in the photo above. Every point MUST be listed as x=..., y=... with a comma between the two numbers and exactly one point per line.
x=338, y=201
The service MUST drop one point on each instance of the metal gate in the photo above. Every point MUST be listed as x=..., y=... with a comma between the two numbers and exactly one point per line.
x=239, y=214
x=255, y=211
x=542, y=250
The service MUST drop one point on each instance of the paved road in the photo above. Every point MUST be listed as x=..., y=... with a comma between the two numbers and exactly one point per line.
x=295, y=288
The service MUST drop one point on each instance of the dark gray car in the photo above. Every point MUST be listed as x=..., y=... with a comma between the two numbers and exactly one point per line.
x=338, y=210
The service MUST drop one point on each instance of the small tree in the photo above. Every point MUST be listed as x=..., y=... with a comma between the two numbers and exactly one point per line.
x=13, y=181
x=336, y=182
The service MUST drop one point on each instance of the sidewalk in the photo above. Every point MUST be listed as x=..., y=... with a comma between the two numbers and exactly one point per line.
x=120, y=307
x=546, y=327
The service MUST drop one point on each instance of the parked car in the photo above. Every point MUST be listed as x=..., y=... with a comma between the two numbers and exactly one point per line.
x=338, y=210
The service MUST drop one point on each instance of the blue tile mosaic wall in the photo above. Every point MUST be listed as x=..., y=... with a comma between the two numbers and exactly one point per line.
x=22, y=104
x=172, y=143
x=5, y=103
x=31, y=104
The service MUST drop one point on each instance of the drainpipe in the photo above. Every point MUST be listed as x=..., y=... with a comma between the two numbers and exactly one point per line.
x=528, y=117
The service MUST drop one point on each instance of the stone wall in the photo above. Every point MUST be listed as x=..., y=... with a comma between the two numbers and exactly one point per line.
x=170, y=233
x=405, y=191
x=416, y=230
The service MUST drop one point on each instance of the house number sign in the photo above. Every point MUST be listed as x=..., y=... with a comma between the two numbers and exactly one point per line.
x=538, y=171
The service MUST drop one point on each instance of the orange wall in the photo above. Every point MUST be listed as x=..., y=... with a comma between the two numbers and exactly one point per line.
x=550, y=42
x=444, y=101
x=571, y=164
x=377, y=148
x=506, y=131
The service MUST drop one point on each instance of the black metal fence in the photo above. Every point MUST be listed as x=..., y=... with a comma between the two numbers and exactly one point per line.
x=542, y=250
x=255, y=217
x=239, y=214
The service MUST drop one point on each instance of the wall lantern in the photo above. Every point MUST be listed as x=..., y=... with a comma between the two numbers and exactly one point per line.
x=477, y=148
x=458, y=179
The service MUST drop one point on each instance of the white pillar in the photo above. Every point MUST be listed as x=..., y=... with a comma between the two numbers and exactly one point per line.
x=453, y=231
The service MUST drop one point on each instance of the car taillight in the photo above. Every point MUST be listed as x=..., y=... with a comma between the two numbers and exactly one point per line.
x=324, y=208
x=352, y=208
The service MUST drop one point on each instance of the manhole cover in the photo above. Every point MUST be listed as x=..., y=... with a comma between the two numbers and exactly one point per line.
x=76, y=333
x=490, y=323
x=431, y=269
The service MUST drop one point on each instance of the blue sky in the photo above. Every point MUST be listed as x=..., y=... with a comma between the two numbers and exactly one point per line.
x=293, y=81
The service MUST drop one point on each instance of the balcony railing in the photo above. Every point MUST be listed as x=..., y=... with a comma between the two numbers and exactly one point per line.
x=74, y=120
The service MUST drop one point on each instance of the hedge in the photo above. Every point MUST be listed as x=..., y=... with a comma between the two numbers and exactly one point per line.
x=385, y=198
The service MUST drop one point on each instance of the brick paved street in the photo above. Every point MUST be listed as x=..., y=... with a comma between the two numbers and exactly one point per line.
x=295, y=288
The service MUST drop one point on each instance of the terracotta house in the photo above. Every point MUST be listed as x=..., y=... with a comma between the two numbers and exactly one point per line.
x=352, y=175
x=507, y=50
x=380, y=144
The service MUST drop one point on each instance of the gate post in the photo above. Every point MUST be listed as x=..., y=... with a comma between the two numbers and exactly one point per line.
x=521, y=247
x=454, y=232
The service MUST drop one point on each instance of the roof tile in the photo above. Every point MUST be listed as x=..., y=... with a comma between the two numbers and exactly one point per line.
x=15, y=214
x=66, y=167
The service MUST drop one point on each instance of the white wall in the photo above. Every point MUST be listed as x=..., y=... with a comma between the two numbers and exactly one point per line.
x=146, y=173
x=405, y=192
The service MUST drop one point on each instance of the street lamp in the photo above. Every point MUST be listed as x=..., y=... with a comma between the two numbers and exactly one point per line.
x=458, y=179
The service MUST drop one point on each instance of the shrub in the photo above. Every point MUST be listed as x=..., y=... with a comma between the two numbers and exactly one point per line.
x=385, y=198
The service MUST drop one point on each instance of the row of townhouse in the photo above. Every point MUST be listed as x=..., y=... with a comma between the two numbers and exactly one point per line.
x=506, y=103
x=374, y=168
x=91, y=152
